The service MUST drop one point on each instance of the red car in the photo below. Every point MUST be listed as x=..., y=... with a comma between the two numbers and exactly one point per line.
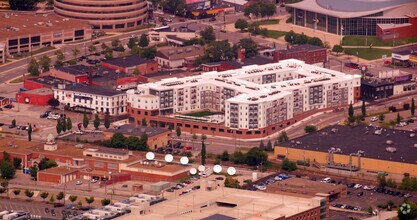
x=352, y=65
x=182, y=19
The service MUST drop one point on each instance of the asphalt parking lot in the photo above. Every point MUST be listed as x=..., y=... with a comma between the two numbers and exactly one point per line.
x=34, y=208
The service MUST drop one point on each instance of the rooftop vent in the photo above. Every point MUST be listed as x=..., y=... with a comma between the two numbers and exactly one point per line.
x=391, y=149
x=389, y=142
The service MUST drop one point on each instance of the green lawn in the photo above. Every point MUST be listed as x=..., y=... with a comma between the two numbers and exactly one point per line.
x=361, y=41
x=267, y=22
x=40, y=50
x=200, y=114
x=20, y=79
x=274, y=34
x=368, y=54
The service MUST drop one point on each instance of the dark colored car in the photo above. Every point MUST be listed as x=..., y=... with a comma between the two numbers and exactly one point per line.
x=56, y=205
x=46, y=210
x=12, y=126
x=213, y=19
x=352, y=65
x=219, y=178
x=360, y=194
x=9, y=106
x=313, y=179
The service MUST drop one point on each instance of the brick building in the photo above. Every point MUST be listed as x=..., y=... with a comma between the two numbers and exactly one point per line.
x=2, y=53
x=175, y=57
x=128, y=64
x=235, y=64
x=388, y=32
x=310, y=54
x=39, y=96
x=43, y=82
x=76, y=73
x=4, y=101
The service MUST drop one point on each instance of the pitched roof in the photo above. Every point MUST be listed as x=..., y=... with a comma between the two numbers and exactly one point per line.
x=178, y=53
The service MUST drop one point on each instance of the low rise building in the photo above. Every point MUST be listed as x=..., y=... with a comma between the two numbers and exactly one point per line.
x=129, y=64
x=235, y=64
x=39, y=96
x=4, y=101
x=58, y=175
x=174, y=37
x=157, y=137
x=2, y=53
x=310, y=54
x=50, y=82
x=251, y=102
x=25, y=32
x=406, y=57
x=92, y=98
x=173, y=57
x=358, y=150
x=385, y=86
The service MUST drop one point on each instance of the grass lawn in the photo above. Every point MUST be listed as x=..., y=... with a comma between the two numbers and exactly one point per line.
x=274, y=34
x=267, y=22
x=361, y=41
x=41, y=50
x=368, y=54
x=17, y=80
x=200, y=114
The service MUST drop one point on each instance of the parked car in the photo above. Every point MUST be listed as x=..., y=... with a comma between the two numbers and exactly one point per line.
x=213, y=19
x=357, y=186
x=370, y=187
x=9, y=106
x=79, y=182
x=94, y=181
x=12, y=126
x=326, y=180
x=57, y=204
x=182, y=19
x=352, y=65
x=78, y=132
x=374, y=119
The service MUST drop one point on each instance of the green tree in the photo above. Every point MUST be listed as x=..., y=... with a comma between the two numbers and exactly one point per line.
x=136, y=72
x=115, y=43
x=351, y=112
x=30, y=133
x=203, y=153
x=269, y=146
x=194, y=41
x=282, y=137
x=382, y=182
x=289, y=166
x=80, y=203
x=105, y=202
x=60, y=196
x=337, y=49
x=49, y=3
x=6, y=156
x=46, y=163
x=252, y=10
x=178, y=131
x=69, y=123
x=132, y=42
x=107, y=121
x=52, y=199
x=262, y=145
x=218, y=51
x=208, y=34
x=231, y=182
x=44, y=195
x=203, y=137
x=398, y=119
x=241, y=24
x=250, y=46
x=301, y=39
x=63, y=124
x=225, y=156
x=53, y=102
x=96, y=122
x=310, y=128
x=148, y=52
x=92, y=49
x=89, y=200
x=23, y=4
x=370, y=210
x=75, y=53
x=2, y=190
x=143, y=41
x=173, y=6
x=59, y=55
x=73, y=198
x=381, y=117
x=34, y=172
x=6, y=169
x=108, y=53
x=16, y=192
x=363, y=109
x=315, y=41
x=58, y=126
x=45, y=63
x=85, y=120
x=290, y=37
x=14, y=122
x=29, y=193
x=255, y=157
x=17, y=162
x=413, y=107
x=33, y=67
x=144, y=122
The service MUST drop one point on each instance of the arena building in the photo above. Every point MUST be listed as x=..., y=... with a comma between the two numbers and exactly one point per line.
x=356, y=150
x=387, y=19
x=251, y=102
x=105, y=15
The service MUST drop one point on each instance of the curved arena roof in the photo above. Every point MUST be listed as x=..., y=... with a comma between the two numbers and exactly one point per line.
x=357, y=8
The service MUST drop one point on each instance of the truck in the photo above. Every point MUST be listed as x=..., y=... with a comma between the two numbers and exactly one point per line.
x=127, y=86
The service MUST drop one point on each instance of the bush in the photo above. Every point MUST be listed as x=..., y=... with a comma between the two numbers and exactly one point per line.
x=289, y=20
x=289, y=166
x=310, y=128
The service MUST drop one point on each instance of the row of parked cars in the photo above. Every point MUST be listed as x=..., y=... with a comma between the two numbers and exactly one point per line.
x=350, y=207
x=392, y=192
x=177, y=149
x=262, y=185
x=184, y=184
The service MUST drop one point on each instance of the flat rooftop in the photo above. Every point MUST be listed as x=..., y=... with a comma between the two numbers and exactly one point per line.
x=304, y=187
x=62, y=170
x=49, y=81
x=130, y=129
x=303, y=47
x=360, y=138
x=17, y=146
x=128, y=61
x=165, y=167
x=248, y=205
x=93, y=89
x=13, y=24
x=40, y=91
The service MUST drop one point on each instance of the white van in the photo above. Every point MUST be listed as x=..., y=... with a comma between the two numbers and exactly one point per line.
x=326, y=180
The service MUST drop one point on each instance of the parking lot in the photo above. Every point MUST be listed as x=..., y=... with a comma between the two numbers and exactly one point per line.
x=34, y=208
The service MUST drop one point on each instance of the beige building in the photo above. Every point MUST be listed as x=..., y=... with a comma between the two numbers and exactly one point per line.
x=105, y=15
x=25, y=32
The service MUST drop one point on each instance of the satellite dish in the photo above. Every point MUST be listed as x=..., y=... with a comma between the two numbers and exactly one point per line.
x=217, y=168
x=193, y=171
x=184, y=160
x=231, y=171
x=150, y=156
x=169, y=158
x=201, y=168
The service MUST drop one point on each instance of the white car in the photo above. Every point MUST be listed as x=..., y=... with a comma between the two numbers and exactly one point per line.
x=78, y=132
x=94, y=181
x=277, y=178
x=374, y=119
x=56, y=117
x=370, y=187
x=260, y=187
x=357, y=186
x=79, y=182
x=326, y=180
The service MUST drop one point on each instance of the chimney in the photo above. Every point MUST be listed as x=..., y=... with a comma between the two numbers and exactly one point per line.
x=240, y=54
x=276, y=56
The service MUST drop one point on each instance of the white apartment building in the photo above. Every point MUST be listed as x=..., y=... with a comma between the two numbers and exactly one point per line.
x=95, y=99
x=252, y=97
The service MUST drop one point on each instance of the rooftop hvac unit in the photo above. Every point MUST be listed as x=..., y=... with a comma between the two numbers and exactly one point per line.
x=389, y=142
x=391, y=149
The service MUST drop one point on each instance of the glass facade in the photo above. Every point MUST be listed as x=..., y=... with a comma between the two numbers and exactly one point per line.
x=351, y=26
